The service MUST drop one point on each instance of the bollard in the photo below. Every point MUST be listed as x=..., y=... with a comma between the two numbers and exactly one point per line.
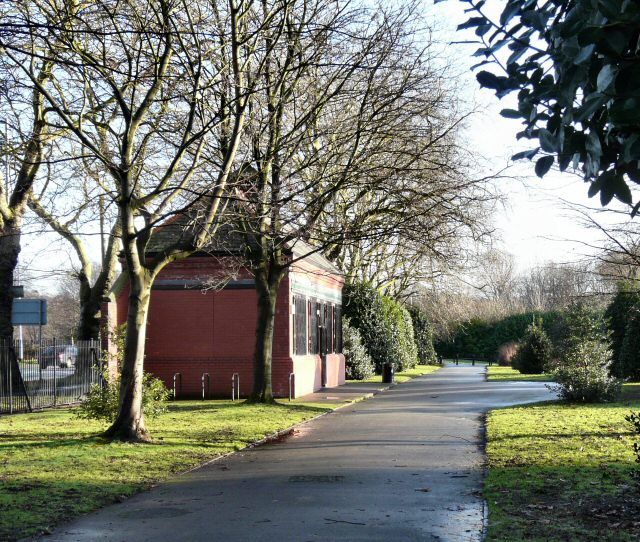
x=208, y=384
x=292, y=376
x=235, y=385
x=175, y=390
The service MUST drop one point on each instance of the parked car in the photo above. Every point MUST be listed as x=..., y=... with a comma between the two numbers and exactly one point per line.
x=63, y=356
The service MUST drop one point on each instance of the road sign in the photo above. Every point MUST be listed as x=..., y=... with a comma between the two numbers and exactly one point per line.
x=29, y=312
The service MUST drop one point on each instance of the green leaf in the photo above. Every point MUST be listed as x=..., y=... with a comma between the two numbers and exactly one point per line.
x=473, y=22
x=564, y=160
x=610, y=8
x=547, y=140
x=593, y=146
x=608, y=185
x=535, y=19
x=631, y=149
x=623, y=192
x=589, y=35
x=489, y=80
x=543, y=165
x=594, y=188
x=510, y=11
x=584, y=54
x=605, y=77
x=625, y=112
x=591, y=104
x=525, y=154
x=511, y=113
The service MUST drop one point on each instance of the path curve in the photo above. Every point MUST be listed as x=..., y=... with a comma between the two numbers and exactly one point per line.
x=405, y=465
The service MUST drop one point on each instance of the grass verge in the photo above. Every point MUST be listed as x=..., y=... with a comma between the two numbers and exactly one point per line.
x=54, y=467
x=496, y=373
x=562, y=472
x=403, y=376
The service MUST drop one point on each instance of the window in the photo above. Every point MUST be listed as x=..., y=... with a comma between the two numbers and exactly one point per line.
x=313, y=327
x=328, y=328
x=300, y=326
x=337, y=328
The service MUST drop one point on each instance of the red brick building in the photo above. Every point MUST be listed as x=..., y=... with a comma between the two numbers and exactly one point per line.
x=195, y=328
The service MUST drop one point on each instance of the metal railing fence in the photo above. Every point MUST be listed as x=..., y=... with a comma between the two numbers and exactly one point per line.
x=42, y=374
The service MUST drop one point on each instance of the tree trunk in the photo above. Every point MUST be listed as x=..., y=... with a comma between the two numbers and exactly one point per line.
x=129, y=424
x=9, y=251
x=89, y=324
x=267, y=286
x=88, y=327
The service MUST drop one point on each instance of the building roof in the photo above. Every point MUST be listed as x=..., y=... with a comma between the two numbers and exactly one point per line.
x=227, y=240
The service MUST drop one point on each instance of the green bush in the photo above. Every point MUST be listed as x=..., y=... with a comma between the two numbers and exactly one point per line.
x=102, y=401
x=634, y=420
x=384, y=325
x=363, y=306
x=584, y=373
x=423, y=335
x=358, y=362
x=406, y=338
x=534, y=352
x=577, y=324
x=402, y=350
x=617, y=317
x=629, y=359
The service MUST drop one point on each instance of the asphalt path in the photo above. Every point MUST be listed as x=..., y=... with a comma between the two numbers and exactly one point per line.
x=406, y=465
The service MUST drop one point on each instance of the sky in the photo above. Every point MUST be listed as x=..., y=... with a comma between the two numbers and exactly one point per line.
x=532, y=222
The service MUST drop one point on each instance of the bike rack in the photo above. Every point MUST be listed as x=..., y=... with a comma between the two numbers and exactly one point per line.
x=235, y=386
x=208, y=378
x=175, y=390
x=292, y=386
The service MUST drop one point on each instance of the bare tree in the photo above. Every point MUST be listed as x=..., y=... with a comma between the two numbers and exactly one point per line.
x=24, y=135
x=497, y=274
x=71, y=223
x=155, y=91
x=349, y=143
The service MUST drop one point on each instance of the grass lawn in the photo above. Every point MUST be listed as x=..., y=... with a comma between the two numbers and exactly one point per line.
x=404, y=376
x=53, y=467
x=496, y=373
x=563, y=472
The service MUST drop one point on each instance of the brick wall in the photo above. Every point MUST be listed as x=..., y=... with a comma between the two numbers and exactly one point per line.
x=193, y=332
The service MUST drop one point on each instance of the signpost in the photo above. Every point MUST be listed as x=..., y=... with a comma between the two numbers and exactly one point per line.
x=29, y=312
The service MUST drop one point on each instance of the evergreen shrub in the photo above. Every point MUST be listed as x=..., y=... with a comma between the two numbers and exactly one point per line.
x=583, y=375
x=423, y=335
x=384, y=326
x=534, y=352
x=358, y=362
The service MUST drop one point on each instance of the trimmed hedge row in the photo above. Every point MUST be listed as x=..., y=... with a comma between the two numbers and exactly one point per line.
x=483, y=338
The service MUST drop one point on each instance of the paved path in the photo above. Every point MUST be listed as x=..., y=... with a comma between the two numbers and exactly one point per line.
x=405, y=465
